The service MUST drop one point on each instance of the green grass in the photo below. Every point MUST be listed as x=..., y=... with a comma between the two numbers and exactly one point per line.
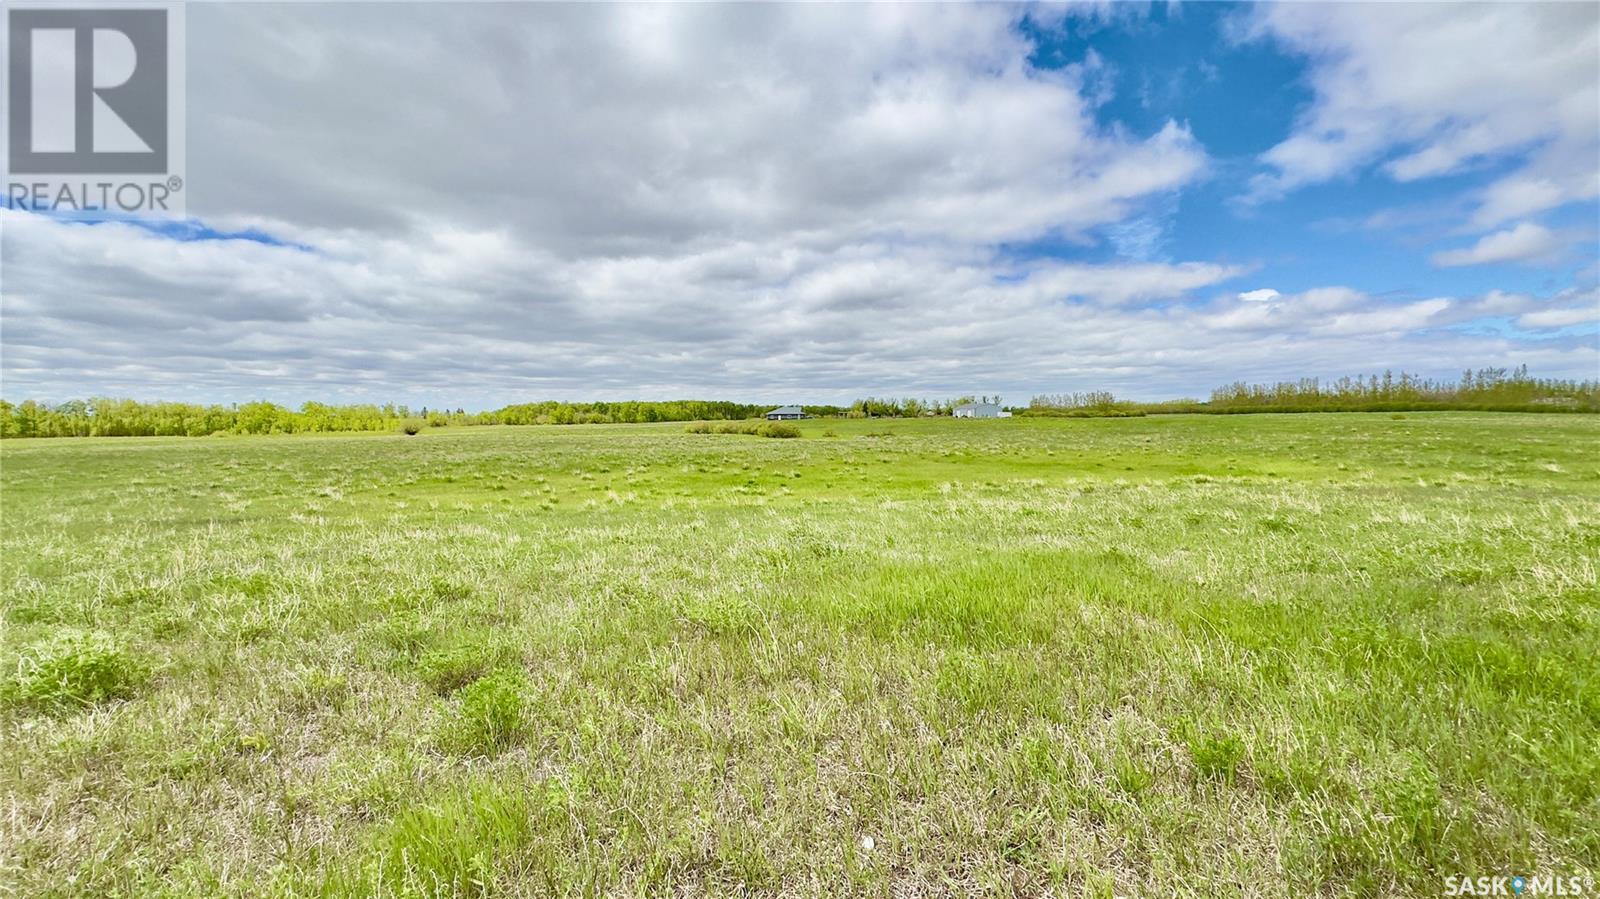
x=1276, y=656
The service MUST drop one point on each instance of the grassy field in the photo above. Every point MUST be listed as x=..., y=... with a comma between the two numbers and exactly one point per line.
x=1258, y=655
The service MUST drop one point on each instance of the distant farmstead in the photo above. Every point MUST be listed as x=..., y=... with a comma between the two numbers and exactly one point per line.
x=980, y=410
x=785, y=413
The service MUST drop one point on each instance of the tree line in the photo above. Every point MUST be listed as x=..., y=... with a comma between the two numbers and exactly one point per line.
x=105, y=417
x=1497, y=389
x=1484, y=389
x=909, y=407
x=1480, y=389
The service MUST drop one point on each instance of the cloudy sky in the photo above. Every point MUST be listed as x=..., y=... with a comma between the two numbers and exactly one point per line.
x=479, y=204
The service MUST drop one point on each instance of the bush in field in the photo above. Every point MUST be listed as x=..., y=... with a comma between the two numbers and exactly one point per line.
x=489, y=714
x=722, y=427
x=751, y=428
x=411, y=428
x=72, y=671
x=1091, y=412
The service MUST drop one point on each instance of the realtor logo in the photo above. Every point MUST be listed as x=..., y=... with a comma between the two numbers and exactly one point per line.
x=94, y=92
x=88, y=91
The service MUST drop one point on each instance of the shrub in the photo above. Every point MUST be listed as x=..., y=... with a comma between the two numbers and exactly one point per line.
x=756, y=428
x=411, y=429
x=777, y=429
x=489, y=714
x=722, y=427
x=75, y=670
x=1122, y=411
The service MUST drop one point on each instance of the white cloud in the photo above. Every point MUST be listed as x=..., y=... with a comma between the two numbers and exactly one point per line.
x=464, y=318
x=381, y=317
x=1559, y=318
x=1430, y=89
x=620, y=129
x=597, y=198
x=1399, y=319
x=1128, y=283
x=1263, y=295
x=1575, y=307
x=1322, y=310
x=1494, y=304
x=1527, y=242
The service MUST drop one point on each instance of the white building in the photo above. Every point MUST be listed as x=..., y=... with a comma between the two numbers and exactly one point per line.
x=783, y=413
x=980, y=410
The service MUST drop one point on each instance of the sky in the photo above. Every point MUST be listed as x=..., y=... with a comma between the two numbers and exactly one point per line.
x=472, y=205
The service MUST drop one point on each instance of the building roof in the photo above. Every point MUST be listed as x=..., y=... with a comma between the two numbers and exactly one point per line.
x=787, y=410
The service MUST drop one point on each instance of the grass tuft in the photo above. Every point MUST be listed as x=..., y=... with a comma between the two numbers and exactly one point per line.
x=490, y=714
x=73, y=671
x=448, y=670
x=453, y=847
x=1217, y=756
